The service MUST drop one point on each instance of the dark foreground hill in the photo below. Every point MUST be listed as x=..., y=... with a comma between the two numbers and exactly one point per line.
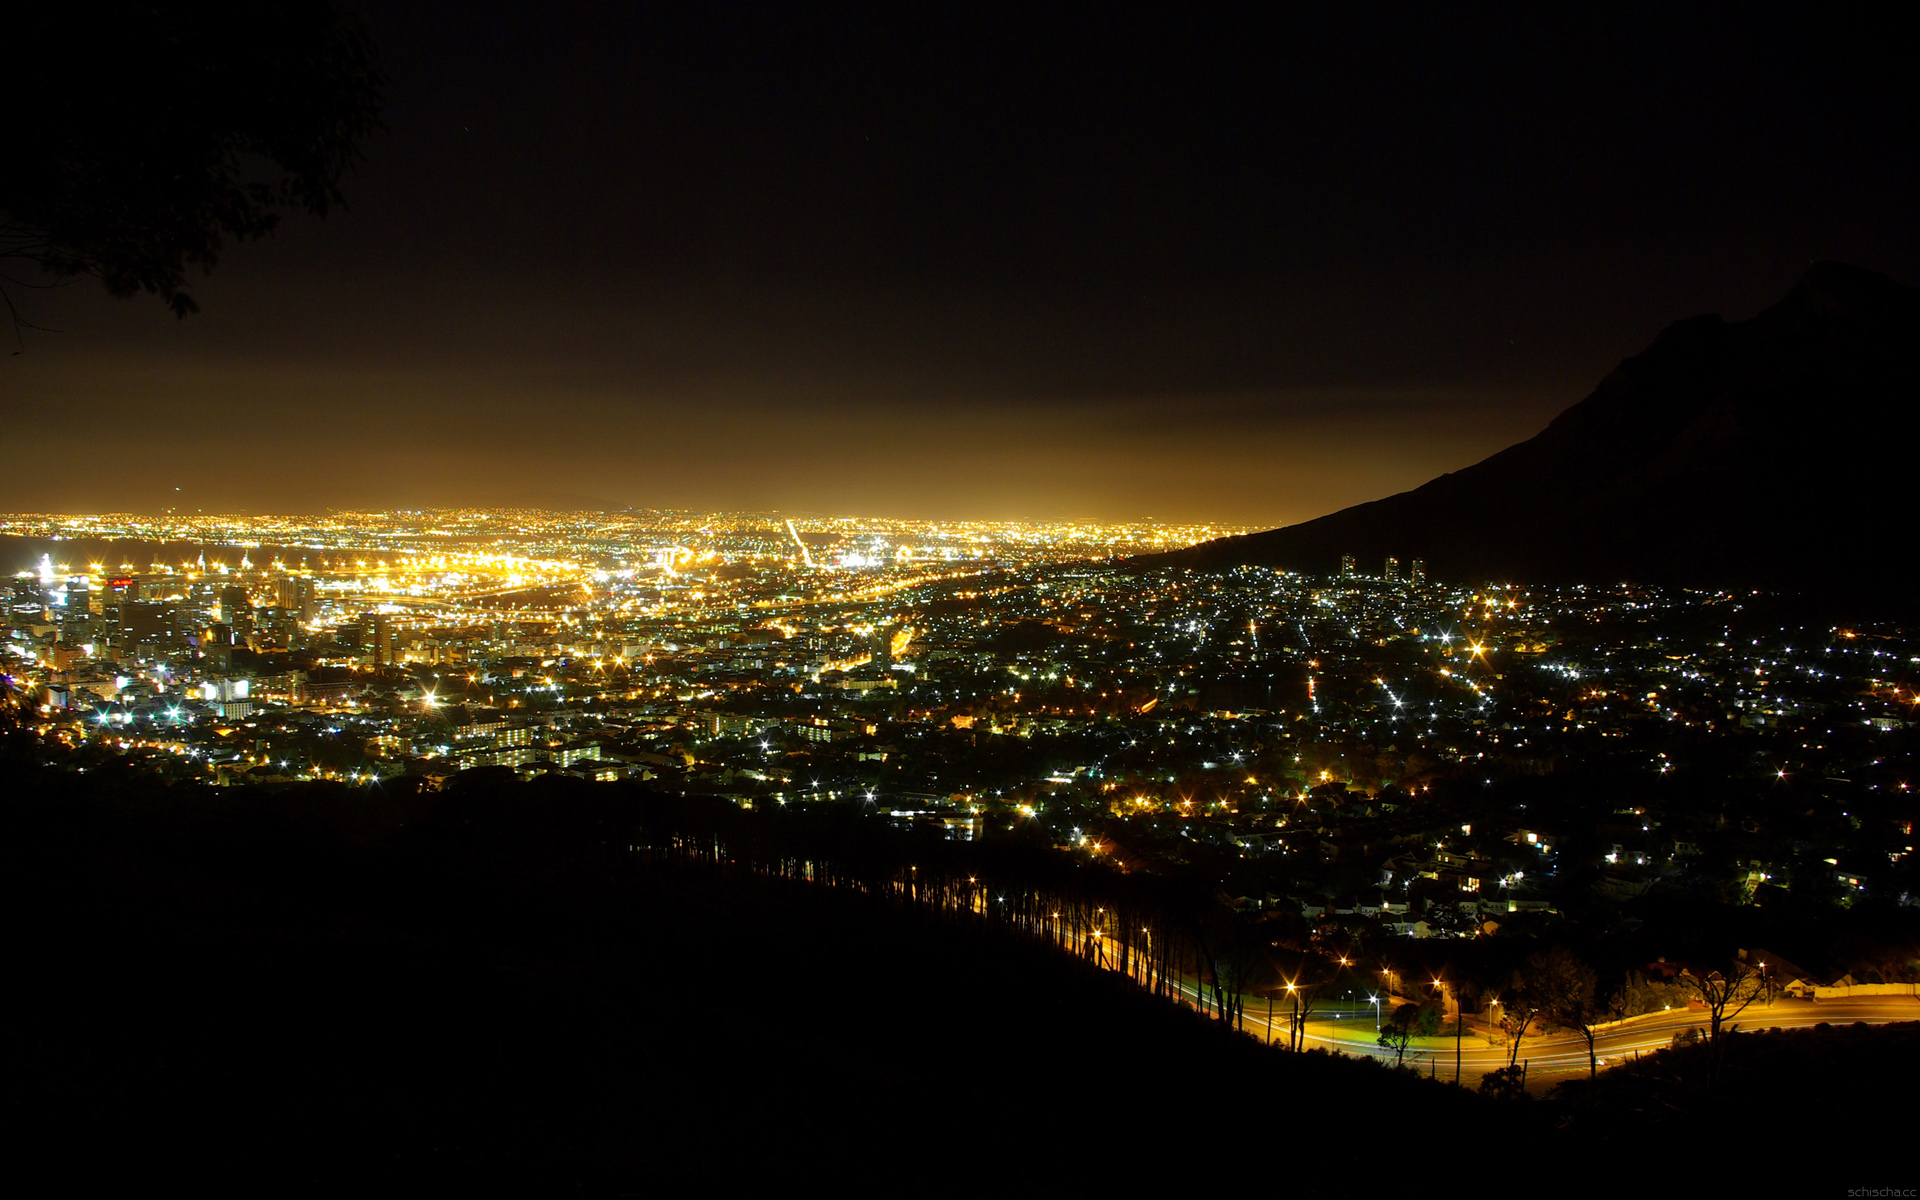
x=324, y=989
x=1776, y=452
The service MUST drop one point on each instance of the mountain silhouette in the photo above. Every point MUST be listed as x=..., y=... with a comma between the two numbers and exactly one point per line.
x=1777, y=452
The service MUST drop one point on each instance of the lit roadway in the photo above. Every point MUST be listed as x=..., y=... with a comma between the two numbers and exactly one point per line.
x=1552, y=1057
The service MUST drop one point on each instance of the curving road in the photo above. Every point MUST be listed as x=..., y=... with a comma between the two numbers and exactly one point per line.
x=1557, y=1056
x=1551, y=1056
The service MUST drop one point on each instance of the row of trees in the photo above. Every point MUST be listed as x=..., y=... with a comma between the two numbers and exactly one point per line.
x=1174, y=936
x=1555, y=989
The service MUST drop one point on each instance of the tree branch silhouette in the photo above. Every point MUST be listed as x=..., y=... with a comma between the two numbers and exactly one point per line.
x=184, y=126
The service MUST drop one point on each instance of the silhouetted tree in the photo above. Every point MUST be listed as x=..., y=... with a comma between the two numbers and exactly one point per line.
x=1517, y=1009
x=1564, y=988
x=1301, y=986
x=161, y=130
x=1725, y=995
x=1399, y=1030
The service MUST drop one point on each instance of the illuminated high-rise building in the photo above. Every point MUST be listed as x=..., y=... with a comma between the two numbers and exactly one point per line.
x=1392, y=571
x=236, y=609
x=296, y=596
x=1418, y=572
x=1347, y=565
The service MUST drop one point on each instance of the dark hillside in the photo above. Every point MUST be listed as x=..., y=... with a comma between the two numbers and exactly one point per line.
x=485, y=987
x=322, y=985
x=1775, y=452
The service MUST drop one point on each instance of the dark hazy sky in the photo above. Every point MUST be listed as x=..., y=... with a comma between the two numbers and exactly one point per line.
x=953, y=261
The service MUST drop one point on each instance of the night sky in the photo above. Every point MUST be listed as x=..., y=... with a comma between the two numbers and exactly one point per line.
x=932, y=261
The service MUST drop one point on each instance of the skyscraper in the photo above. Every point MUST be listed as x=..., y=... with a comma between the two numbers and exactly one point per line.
x=296, y=595
x=380, y=640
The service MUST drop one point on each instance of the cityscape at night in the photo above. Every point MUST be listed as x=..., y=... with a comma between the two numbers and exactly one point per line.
x=678, y=596
x=1369, y=755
